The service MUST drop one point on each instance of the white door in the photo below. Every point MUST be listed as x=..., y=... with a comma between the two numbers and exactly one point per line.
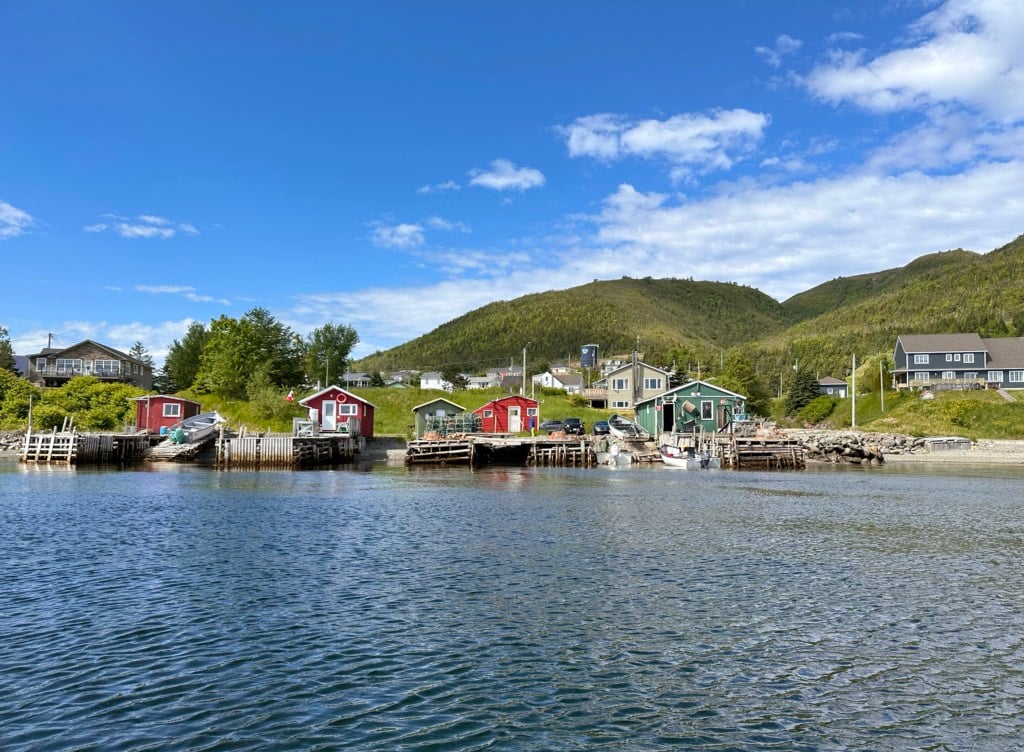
x=515, y=423
x=327, y=408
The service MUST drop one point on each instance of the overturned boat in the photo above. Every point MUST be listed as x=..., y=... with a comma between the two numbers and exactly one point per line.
x=624, y=428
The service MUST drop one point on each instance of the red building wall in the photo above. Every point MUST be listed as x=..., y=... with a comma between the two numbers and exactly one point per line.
x=498, y=421
x=151, y=412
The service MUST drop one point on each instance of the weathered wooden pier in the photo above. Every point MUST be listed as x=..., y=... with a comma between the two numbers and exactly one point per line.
x=501, y=449
x=74, y=448
x=284, y=451
x=755, y=453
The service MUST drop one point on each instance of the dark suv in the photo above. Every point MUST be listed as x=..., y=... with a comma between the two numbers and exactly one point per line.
x=574, y=426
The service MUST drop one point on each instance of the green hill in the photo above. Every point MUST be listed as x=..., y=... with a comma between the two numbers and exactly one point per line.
x=659, y=313
x=952, y=291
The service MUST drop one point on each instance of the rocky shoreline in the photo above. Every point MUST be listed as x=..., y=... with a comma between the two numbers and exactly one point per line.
x=859, y=447
x=851, y=447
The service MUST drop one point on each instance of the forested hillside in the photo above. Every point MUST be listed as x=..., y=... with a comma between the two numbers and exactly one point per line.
x=950, y=292
x=659, y=313
x=682, y=320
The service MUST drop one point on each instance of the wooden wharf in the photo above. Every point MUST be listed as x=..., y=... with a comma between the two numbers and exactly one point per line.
x=285, y=451
x=502, y=449
x=74, y=448
x=755, y=453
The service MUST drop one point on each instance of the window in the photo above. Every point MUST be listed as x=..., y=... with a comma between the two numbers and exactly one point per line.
x=532, y=410
x=348, y=409
x=41, y=364
x=620, y=403
x=968, y=357
x=949, y=357
x=995, y=376
x=108, y=367
x=65, y=365
x=707, y=409
x=949, y=374
x=488, y=413
x=1016, y=376
x=970, y=374
x=654, y=383
x=922, y=375
x=172, y=410
x=921, y=359
x=620, y=385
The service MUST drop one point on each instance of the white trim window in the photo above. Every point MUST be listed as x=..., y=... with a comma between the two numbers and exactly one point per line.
x=922, y=376
x=949, y=357
x=920, y=359
x=1016, y=377
x=968, y=357
x=970, y=374
x=707, y=409
x=172, y=410
x=652, y=383
x=620, y=385
x=69, y=365
x=108, y=367
x=624, y=404
x=488, y=413
x=348, y=409
x=532, y=411
x=995, y=376
x=949, y=374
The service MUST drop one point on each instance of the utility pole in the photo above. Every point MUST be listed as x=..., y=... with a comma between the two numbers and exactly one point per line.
x=853, y=392
x=523, y=392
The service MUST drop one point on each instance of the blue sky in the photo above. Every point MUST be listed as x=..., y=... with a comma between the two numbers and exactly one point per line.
x=393, y=165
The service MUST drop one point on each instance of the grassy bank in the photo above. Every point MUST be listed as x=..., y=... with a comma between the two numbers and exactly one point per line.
x=973, y=415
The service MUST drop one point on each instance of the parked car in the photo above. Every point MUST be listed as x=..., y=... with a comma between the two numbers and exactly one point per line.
x=574, y=426
x=550, y=426
x=600, y=428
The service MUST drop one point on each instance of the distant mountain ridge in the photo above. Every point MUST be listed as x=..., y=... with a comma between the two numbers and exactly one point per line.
x=951, y=291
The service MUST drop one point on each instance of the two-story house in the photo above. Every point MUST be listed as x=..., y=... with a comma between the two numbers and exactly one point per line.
x=632, y=383
x=958, y=361
x=54, y=366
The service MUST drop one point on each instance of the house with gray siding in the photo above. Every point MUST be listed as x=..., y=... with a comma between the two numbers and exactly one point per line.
x=958, y=361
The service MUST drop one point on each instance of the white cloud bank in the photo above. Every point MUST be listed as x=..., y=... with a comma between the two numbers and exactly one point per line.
x=142, y=226
x=13, y=221
x=694, y=143
x=186, y=291
x=505, y=175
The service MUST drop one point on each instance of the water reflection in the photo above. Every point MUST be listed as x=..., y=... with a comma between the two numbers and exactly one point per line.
x=511, y=608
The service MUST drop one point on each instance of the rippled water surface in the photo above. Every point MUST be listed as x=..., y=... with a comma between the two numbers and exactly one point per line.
x=186, y=609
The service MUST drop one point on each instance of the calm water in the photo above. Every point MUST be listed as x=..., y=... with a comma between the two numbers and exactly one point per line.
x=518, y=609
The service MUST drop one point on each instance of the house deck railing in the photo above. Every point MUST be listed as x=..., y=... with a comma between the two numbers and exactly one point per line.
x=943, y=384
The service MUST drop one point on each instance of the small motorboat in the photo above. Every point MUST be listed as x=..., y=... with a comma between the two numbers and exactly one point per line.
x=196, y=428
x=687, y=458
x=624, y=428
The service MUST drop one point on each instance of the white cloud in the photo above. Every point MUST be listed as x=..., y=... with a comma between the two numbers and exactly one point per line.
x=691, y=142
x=785, y=46
x=968, y=53
x=186, y=291
x=440, y=223
x=504, y=175
x=13, y=221
x=779, y=239
x=448, y=185
x=142, y=226
x=403, y=235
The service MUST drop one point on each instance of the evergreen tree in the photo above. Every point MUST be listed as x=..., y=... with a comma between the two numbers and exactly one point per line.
x=183, y=358
x=140, y=353
x=803, y=389
x=6, y=351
